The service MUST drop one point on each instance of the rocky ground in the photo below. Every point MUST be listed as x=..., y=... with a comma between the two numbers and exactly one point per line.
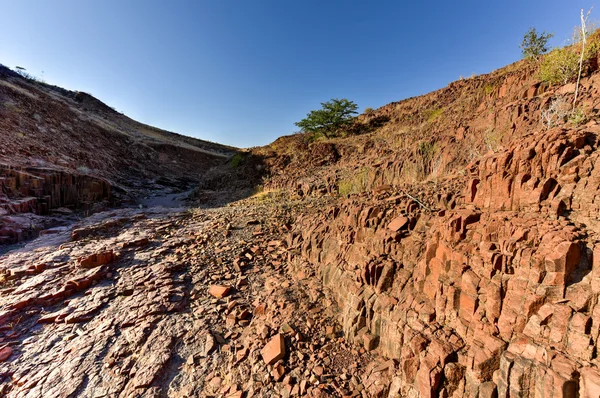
x=173, y=302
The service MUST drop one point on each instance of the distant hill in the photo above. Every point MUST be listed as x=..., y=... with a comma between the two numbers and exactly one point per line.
x=49, y=127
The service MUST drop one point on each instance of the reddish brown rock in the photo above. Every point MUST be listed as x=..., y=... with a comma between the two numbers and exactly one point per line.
x=97, y=259
x=219, y=291
x=5, y=353
x=274, y=350
x=398, y=223
x=278, y=372
x=370, y=341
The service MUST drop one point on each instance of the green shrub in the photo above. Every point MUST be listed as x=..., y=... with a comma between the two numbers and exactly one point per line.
x=427, y=150
x=356, y=184
x=560, y=66
x=488, y=89
x=345, y=187
x=368, y=110
x=236, y=160
x=535, y=44
x=315, y=137
x=592, y=48
x=577, y=117
x=434, y=114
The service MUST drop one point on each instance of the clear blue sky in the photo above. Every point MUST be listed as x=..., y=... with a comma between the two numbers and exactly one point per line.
x=242, y=72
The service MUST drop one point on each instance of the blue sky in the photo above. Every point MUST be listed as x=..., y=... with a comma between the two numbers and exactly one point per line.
x=242, y=72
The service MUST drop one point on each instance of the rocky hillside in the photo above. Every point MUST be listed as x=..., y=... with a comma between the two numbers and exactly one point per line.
x=433, y=137
x=64, y=149
x=451, y=249
x=467, y=251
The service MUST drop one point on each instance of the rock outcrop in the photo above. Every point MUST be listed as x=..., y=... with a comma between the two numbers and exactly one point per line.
x=38, y=191
x=46, y=127
x=494, y=291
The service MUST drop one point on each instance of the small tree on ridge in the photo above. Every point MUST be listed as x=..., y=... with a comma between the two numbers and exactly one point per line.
x=535, y=44
x=328, y=120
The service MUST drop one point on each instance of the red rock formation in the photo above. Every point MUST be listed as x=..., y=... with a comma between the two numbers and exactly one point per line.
x=498, y=295
x=39, y=190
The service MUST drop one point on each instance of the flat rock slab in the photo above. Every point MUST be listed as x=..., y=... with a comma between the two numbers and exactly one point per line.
x=5, y=353
x=97, y=259
x=219, y=291
x=274, y=350
x=398, y=223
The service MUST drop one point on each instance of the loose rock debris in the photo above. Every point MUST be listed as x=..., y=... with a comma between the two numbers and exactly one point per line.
x=165, y=305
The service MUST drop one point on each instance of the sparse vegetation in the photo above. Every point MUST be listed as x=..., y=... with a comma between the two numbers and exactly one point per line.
x=330, y=119
x=433, y=114
x=315, y=137
x=489, y=89
x=560, y=66
x=423, y=164
x=236, y=160
x=583, y=39
x=557, y=113
x=584, y=31
x=270, y=196
x=345, y=187
x=560, y=111
x=23, y=72
x=577, y=117
x=368, y=110
x=535, y=44
x=593, y=48
x=492, y=139
x=355, y=184
x=565, y=65
x=427, y=150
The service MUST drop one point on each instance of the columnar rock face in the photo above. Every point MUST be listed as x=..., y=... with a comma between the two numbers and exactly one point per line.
x=494, y=291
x=39, y=190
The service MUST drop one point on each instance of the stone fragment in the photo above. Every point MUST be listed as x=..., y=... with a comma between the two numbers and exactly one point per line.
x=191, y=360
x=97, y=259
x=274, y=350
x=241, y=354
x=208, y=345
x=398, y=223
x=5, y=353
x=140, y=242
x=370, y=341
x=278, y=372
x=219, y=291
